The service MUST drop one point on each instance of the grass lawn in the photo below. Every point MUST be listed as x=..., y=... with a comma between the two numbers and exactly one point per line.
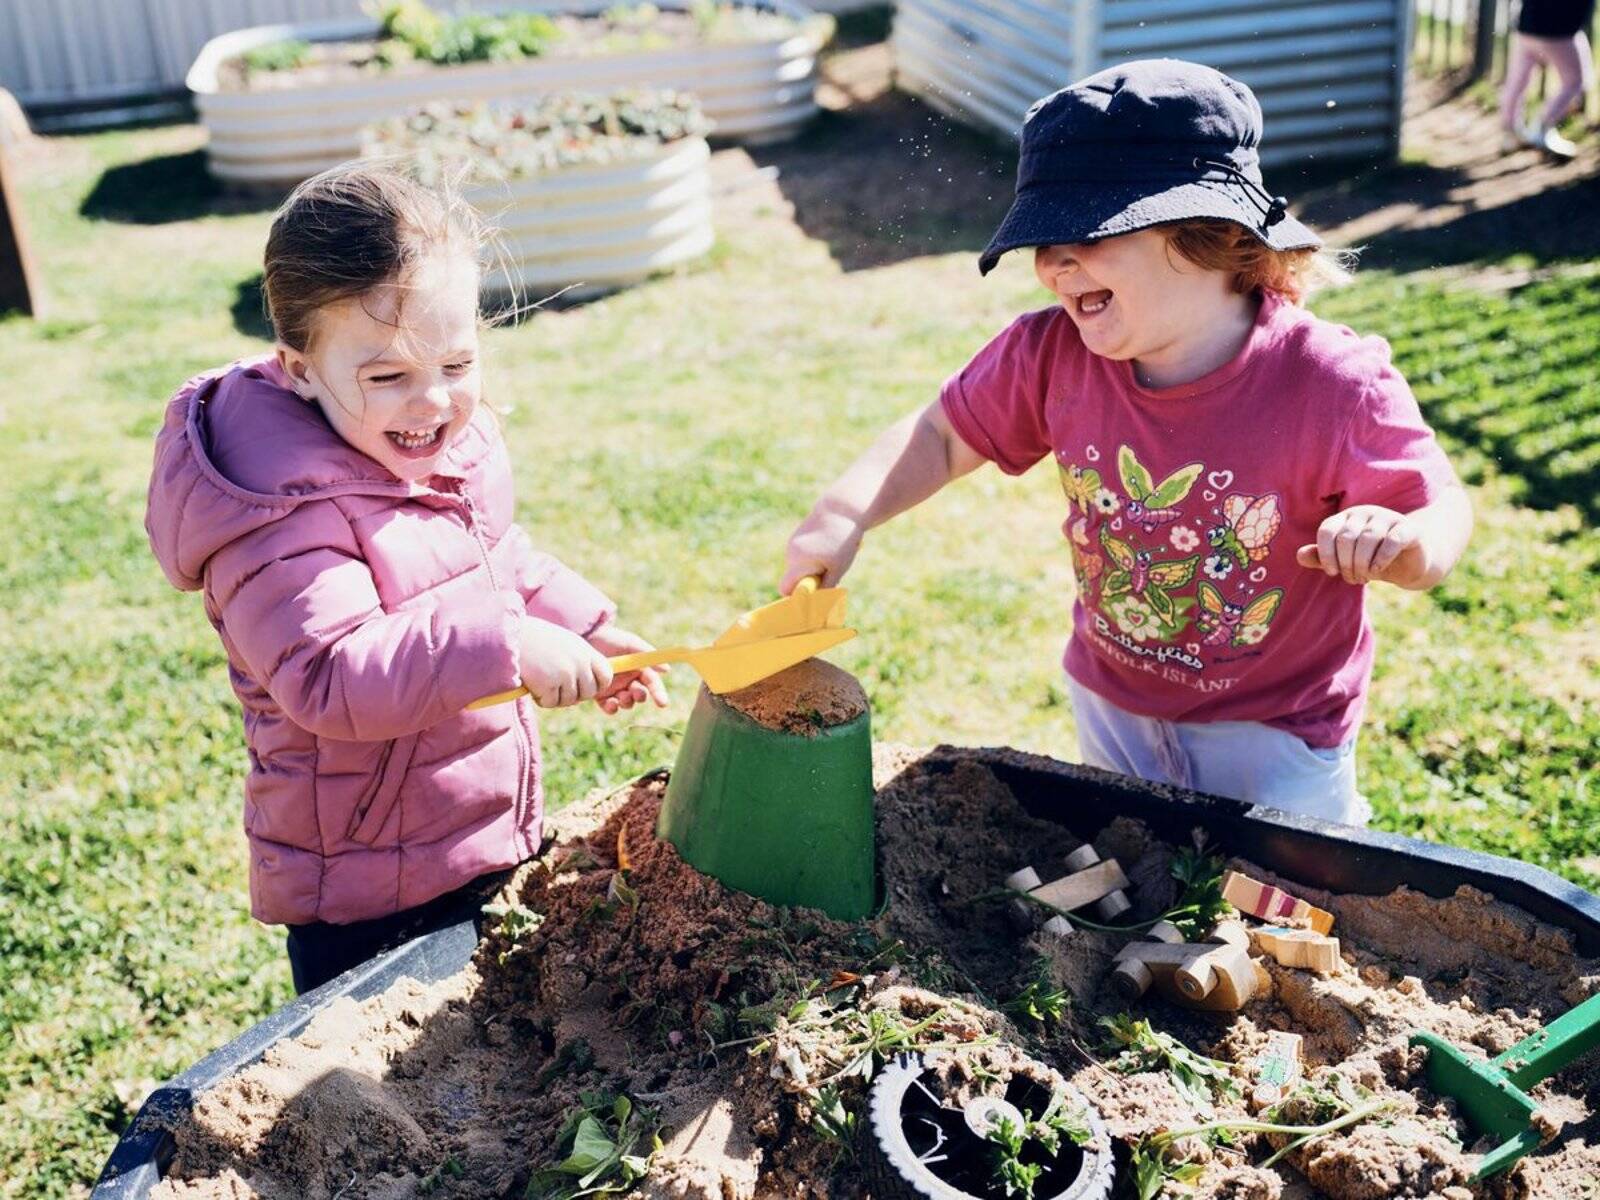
x=666, y=439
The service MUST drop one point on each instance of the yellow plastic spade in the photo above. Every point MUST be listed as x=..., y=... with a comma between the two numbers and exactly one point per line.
x=724, y=668
x=763, y=642
x=809, y=607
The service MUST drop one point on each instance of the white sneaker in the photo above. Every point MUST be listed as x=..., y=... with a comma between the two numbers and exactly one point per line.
x=1542, y=137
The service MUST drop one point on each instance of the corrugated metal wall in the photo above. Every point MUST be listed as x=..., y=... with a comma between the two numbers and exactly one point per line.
x=61, y=52
x=1329, y=73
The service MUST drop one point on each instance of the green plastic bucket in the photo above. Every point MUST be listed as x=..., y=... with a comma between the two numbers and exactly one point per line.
x=784, y=816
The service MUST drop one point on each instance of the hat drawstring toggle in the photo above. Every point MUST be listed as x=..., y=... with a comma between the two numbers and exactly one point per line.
x=1274, y=208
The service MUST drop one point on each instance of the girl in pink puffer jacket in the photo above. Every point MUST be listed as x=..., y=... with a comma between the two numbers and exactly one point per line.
x=345, y=505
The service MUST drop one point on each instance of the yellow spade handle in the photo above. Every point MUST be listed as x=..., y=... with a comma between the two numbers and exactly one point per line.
x=619, y=664
x=807, y=585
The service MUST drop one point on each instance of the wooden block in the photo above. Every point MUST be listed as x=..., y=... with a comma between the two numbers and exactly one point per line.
x=1110, y=906
x=1020, y=912
x=1270, y=903
x=1298, y=948
x=1235, y=980
x=1276, y=1068
x=1074, y=891
x=1213, y=976
x=1234, y=933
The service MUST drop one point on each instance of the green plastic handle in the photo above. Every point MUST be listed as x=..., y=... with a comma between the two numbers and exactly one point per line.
x=1542, y=1054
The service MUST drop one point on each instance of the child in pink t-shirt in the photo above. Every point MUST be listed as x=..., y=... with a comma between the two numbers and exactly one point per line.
x=1235, y=469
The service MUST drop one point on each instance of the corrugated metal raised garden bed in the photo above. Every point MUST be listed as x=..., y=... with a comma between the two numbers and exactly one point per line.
x=282, y=102
x=584, y=191
x=1329, y=76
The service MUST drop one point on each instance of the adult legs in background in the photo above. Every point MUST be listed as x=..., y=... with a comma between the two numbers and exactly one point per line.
x=1519, y=70
x=1574, y=65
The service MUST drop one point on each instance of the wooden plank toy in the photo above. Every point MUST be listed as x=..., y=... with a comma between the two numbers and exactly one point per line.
x=1021, y=912
x=1298, y=948
x=1098, y=883
x=1217, y=975
x=1270, y=903
x=1113, y=904
x=1276, y=1068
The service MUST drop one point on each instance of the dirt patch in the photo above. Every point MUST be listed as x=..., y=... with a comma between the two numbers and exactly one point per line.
x=805, y=699
x=732, y=1021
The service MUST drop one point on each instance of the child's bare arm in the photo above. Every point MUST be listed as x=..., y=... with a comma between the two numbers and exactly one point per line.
x=1368, y=543
x=910, y=461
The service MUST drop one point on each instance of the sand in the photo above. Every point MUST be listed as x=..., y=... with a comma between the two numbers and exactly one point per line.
x=804, y=699
x=670, y=988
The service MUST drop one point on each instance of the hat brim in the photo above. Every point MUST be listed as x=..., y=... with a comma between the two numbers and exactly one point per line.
x=1060, y=214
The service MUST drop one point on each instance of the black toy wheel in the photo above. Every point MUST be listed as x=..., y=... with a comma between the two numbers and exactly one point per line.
x=921, y=1146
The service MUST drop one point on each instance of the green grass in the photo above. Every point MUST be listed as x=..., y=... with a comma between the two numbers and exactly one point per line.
x=710, y=406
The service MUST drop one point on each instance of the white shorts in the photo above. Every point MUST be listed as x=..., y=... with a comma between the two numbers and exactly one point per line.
x=1245, y=760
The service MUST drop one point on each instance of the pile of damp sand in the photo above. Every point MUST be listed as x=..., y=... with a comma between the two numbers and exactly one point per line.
x=658, y=983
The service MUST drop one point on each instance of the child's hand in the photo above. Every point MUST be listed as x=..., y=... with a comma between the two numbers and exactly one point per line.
x=1366, y=543
x=629, y=687
x=558, y=667
x=825, y=544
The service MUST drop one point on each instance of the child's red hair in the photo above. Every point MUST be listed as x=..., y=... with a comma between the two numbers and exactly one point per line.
x=1218, y=245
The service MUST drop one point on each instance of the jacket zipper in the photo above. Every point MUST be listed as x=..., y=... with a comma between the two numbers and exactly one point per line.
x=524, y=742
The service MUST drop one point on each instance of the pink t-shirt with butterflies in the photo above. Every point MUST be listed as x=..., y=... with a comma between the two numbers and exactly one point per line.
x=1185, y=505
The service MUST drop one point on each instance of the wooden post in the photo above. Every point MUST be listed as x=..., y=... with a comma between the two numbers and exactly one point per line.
x=18, y=289
x=1483, y=39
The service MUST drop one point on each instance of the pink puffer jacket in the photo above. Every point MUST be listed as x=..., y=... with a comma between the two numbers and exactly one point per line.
x=360, y=615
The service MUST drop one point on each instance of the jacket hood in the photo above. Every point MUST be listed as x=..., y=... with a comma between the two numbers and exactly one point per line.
x=238, y=449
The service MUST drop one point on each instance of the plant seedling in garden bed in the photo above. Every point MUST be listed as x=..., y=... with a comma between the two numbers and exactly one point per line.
x=1144, y=1048
x=599, y=1139
x=1329, y=1109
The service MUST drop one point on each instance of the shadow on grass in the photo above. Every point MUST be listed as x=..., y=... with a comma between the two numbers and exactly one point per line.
x=1554, y=225
x=249, y=309
x=882, y=177
x=170, y=187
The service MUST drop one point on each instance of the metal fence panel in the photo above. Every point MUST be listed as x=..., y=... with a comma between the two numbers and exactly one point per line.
x=71, y=52
x=1329, y=73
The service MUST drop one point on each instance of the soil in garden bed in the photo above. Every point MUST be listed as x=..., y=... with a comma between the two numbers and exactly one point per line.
x=661, y=984
x=631, y=32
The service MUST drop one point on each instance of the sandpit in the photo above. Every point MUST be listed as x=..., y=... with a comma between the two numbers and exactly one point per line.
x=660, y=984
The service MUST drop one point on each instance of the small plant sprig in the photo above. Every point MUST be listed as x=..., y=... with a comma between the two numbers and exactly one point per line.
x=516, y=921
x=1038, y=1000
x=1331, y=1108
x=277, y=56
x=450, y=1167
x=1017, y=1177
x=1200, y=905
x=1144, y=1048
x=598, y=1138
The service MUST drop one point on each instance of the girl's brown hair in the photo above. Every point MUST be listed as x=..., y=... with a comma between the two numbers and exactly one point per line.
x=353, y=228
x=1226, y=246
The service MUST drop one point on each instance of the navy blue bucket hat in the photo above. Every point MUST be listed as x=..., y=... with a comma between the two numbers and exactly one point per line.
x=1145, y=143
